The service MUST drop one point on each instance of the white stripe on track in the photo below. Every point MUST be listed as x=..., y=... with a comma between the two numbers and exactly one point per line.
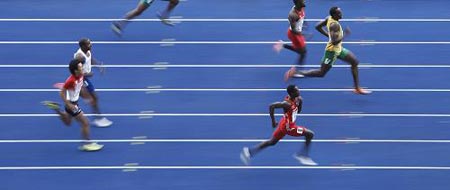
x=225, y=90
x=225, y=167
x=216, y=20
x=229, y=141
x=222, y=42
x=236, y=115
x=226, y=66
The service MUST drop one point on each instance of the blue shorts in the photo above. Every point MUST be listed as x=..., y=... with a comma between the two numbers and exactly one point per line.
x=89, y=86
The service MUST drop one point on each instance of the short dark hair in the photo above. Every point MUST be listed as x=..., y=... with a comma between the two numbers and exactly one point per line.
x=73, y=66
x=333, y=10
x=297, y=1
x=83, y=41
x=291, y=89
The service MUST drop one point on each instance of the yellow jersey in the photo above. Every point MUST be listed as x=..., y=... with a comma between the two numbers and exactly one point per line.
x=330, y=47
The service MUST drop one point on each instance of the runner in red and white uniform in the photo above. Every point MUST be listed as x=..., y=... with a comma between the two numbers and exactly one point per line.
x=292, y=105
x=70, y=93
x=296, y=19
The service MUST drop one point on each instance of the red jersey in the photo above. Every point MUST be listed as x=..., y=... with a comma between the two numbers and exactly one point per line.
x=291, y=113
x=73, y=85
x=301, y=18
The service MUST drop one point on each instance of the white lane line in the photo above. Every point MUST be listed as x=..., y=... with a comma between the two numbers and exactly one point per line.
x=236, y=115
x=223, y=42
x=217, y=20
x=225, y=167
x=226, y=66
x=144, y=140
x=224, y=90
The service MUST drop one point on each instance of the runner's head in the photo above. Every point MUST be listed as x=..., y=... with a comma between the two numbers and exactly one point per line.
x=293, y=91
x=299, y=3
x=80, y=58
x=336, y=13
x=85, y=44
x=75, y=67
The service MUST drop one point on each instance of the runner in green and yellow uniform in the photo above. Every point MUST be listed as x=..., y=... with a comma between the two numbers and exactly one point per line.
x=333, y=51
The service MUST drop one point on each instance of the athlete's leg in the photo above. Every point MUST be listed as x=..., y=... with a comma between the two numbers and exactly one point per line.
x=84, y=122
x=166, y=13
x=65, y=117
x=324, y=68
x=327, y=62
x=301, y=51
x=348, y=57
x=172, y=4
x=248, y=153
x=309, y=135
x=298, y=46
x=118, y=26
x=303, y=155
x=85, y=134
x=255, y=150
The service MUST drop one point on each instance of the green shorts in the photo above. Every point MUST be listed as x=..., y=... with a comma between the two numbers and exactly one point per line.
x=147, y=2
x=330, y=57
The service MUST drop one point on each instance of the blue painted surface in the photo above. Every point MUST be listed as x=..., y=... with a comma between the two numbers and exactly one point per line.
x=216, y=154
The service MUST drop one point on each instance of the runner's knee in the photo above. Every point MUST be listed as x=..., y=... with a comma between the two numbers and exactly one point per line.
x=322, y=73
x=272, y=142
x=309, y=135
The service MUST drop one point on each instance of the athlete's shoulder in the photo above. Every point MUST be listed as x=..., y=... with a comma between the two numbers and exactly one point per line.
x=71, y=78
x=293, y=15
x=78, y=53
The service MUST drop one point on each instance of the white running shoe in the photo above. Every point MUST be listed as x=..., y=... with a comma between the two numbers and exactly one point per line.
x=298, y=76
x=91, y=147
x=103, y=122
x=245, y=156
x=165, y=19
x=305, y=160
x=277, y=47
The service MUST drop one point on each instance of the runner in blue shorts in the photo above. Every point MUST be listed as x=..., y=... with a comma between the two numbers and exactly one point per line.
x=84, y=55
x=118, y=26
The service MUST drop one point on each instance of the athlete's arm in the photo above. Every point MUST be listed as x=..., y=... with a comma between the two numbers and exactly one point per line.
x=320, y=26
x=68, y=104
x=293, y=18
x=81, y=58
x=90, y=74
x=300, y=103
x=285, y=105
x=99, y=65
x=334, y=34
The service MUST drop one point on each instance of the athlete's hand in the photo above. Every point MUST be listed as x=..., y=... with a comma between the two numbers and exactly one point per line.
x=305, y=25
x=71, y=106
x=347, y=31
x=101, y=68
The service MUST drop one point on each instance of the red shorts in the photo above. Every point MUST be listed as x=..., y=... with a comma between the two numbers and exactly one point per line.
x=298, y=41
x=291, y=130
